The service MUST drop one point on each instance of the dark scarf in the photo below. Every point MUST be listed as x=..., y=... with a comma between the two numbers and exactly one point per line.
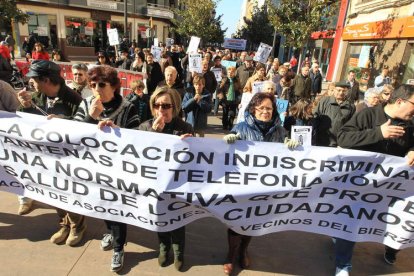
x=263, y=126
x=112, y=105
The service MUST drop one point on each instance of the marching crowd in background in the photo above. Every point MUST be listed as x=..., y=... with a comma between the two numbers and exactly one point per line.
x=170, y=99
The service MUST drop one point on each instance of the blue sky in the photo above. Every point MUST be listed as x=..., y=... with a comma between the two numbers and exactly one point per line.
x=230, y=9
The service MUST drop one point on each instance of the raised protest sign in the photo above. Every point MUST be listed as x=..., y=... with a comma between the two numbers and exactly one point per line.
x=194, y=63
x=282, y=107
x=161, y=182
x=193, y=46
x=156, y=52
x=218, y=73
x=113, y=37
x=244, y=102
x=236, y=44
x=262, y=53
x=228, y=63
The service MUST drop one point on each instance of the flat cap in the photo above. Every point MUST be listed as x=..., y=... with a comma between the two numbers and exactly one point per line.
x=342, y=84
x=43, y=68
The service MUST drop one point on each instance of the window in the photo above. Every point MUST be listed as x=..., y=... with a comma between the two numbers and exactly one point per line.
x=79, y=31
x=359, y=57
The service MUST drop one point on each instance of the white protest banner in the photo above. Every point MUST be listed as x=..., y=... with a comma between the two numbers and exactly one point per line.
x=257, y=87
x=194, y=63
x=113, y=37
x=156, y=52
x=282, y=107
x=156, y=44
x=244, y=102
x=218, y=72
x=236, y=44
x=262, y=53
x=193, y=46
x=161, y=182
x=302, y=134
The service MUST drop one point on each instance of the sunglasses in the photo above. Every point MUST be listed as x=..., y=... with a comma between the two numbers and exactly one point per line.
x=101, y=56
x=78, y=74
x=163, y=106
x=100, y=84
x=386, y=94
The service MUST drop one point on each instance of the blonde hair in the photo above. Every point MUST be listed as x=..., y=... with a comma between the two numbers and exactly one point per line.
x=137, y=83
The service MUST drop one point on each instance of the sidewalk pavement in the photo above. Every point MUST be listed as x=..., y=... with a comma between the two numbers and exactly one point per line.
x=25, y=248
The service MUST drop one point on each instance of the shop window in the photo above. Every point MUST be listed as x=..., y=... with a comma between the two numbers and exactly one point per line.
x=79, y=31
x=408, y=68
x=360, y=58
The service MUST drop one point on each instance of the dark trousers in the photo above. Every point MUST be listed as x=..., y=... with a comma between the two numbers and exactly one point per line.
x=238, y=245
x=118, y=231
x=176, y=238
x=229, y=113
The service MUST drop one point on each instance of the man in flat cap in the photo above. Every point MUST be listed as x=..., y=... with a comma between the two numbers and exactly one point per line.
x=52, y=98
x=331, y=114
x=386, y=128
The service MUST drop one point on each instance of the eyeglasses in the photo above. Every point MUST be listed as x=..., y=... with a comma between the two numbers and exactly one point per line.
x=78, y=74
x=262, y=109
x=100, y=84
x=163, y=106
x=408, y=101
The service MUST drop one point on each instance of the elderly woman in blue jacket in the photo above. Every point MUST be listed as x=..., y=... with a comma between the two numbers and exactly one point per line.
x=197, y=104
x=262, y=123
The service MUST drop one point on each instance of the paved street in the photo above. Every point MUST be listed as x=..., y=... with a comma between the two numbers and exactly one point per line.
x=25, y=248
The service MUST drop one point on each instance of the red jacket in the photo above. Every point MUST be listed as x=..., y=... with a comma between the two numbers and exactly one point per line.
x=40, y=55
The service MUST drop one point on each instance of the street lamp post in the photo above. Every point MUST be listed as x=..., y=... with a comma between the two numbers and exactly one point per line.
x=126, y=19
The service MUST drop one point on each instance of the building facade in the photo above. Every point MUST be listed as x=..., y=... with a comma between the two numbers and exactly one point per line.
x=79, y=27
x=377, y=33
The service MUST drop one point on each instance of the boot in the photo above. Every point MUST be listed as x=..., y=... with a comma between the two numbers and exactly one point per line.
x=243, y=257
x=234, y=242
x=178, y=256
x=163, y=255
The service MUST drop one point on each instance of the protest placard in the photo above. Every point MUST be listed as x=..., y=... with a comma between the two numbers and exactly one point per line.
x=262, y=53
x=236, y=44
x=193, y=46
x=113, y=36
x=194, y=63
x=302, y=134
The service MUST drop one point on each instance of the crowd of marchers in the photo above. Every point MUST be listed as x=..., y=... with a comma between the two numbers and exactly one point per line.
x=173, y=100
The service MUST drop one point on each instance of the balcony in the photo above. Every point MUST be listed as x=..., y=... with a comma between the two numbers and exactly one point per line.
x=159, y=11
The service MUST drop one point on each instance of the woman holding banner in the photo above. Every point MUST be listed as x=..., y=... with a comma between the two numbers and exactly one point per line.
x=107, y=108
x=261, y=123
x=165, y=104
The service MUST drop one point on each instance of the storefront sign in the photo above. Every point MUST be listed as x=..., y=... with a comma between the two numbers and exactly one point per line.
x=100, y=15
x=102, y=4
x=392, y=28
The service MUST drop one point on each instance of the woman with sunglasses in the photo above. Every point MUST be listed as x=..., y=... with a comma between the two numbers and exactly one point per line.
x=80, y=80
x=103, y=59
x=165, y=104
x=261, y=123
x=107, y=108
